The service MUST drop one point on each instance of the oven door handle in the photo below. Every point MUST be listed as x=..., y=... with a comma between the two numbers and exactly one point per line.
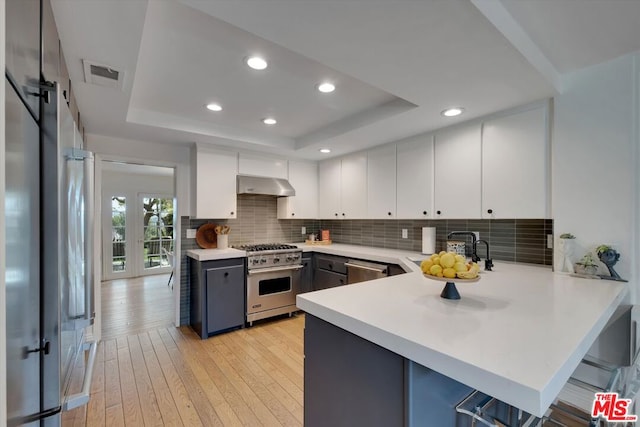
x=274, y=269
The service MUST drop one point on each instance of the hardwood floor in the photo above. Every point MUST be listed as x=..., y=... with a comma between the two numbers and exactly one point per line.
x=132, y=306
x=168, y=376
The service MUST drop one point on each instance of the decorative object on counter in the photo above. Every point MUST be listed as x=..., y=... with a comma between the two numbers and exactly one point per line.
x=222, y=232
x=450, y=267
x=428, y=240
x=587, y=265
x=609, y=257
x=324, y=235
x=317, y=242
x=312, y=237
x=206, y=236
x=456, y=246
x=566, y=246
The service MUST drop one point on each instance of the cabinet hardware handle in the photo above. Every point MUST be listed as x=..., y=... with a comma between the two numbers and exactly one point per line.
x=293, y=214
x=424, y=212
x=231, y=213
x=336, y=213
x=226, y=274
x=490, y=211
x=342, y=213
x=438, y=212
x=389, y=213
x=330, y=266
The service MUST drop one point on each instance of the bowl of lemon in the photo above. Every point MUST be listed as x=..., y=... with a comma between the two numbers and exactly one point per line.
x=451, y=268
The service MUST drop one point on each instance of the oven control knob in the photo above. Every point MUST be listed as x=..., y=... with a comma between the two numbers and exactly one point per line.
x=255, y=261
x=263, y=260
x=289, y=258
x=276, y=260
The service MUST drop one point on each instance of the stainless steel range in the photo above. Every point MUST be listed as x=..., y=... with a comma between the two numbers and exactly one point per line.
x=273, y=279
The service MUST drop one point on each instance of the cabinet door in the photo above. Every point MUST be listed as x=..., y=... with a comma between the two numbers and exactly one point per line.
x=457, y=173
x=50, y=45
x=381, y=182
x=329, y=183
x=306, y=275
x=353, y=197
x=216, y=185
x=23, y=49
x=415, y=178
x=303, y=176
x=225, y=298
x=514, y=166
x=260, y=165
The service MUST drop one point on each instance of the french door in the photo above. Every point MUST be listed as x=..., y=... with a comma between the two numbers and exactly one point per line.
x=138, y=235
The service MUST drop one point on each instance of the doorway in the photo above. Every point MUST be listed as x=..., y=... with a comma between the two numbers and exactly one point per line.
x=137, y=220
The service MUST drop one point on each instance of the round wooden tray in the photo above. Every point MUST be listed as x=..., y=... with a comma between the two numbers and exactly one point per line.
x=450, y=291
x=206, y=236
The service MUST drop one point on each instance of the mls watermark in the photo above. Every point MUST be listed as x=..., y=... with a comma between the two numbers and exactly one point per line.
x=612, y=408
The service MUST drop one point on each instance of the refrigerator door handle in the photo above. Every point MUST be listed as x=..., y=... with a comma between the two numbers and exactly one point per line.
x=88, y=235
x=34, y=417
x=79, y=399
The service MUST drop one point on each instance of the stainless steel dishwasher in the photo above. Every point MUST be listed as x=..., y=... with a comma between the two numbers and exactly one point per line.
x=360, y=271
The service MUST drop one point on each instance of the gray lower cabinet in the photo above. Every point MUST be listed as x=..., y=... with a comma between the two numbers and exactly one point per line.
x=349, y=381
x=306, y=274
x=217, y=296
x=329, y=271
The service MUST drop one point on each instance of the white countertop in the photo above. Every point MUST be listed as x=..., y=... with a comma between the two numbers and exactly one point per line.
x=215, y=254
x=517, y=334
x=402, y=258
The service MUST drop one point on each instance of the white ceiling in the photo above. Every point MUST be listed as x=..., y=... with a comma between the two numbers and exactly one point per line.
x=396, y=64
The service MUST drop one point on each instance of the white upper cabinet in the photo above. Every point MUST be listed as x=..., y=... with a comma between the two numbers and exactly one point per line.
x=214, y=184
x=303, y=176
x=414, y=198
x=329, y=189
x=342, y=187
x=514, y=166
x=457, y=173
x=261, y=165
x=381, y=182
x=354, y=186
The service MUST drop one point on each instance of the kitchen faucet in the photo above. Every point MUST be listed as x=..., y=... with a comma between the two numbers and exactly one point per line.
x=474, y=255
x=488, y=263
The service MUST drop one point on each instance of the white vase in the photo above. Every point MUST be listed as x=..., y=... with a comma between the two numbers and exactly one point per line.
x=223, y=241
x=565, y=248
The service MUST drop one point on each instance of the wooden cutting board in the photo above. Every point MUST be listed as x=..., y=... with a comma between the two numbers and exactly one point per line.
x=206, y=236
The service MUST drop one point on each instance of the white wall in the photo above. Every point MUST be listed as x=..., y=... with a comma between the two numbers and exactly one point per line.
x=150, y=153
x=594, y=161
x=134, y=183
x=3, y=325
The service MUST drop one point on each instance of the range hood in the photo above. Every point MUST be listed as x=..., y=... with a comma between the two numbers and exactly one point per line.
x=248, y=184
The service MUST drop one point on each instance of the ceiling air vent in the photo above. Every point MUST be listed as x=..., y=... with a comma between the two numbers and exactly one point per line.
x=102, y=75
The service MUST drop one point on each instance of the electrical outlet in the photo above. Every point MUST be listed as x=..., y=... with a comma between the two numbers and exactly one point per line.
x=405, y=233
x=191, y=233
x=477, y=233
x=304, y=230
x=549, y=241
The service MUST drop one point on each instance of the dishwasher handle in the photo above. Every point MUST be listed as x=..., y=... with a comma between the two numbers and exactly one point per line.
x=381, y=269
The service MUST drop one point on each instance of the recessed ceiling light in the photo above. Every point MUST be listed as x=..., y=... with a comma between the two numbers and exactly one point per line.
x=326, y=87
x=452, y=112
x=325, y=150
x=257, y=63
x=214, y=107
x=269, y=121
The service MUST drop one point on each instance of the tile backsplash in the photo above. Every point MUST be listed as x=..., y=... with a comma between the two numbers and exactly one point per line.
x=520, y=240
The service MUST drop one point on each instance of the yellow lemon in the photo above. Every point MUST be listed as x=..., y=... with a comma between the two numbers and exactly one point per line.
x=447, y=260
x=434, y=256
x=426, y=265
x=442, y=253
x=460, y=258
x=440, y=274
x=460, y=266
x=435, y=270
x=449, y=272
x=436, y=260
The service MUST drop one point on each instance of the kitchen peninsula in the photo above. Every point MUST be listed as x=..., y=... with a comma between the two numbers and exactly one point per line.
x=378, y=352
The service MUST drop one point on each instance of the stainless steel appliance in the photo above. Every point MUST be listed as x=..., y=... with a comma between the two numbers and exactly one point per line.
x=49, y=273
x=360, y=271
x=273, y=279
